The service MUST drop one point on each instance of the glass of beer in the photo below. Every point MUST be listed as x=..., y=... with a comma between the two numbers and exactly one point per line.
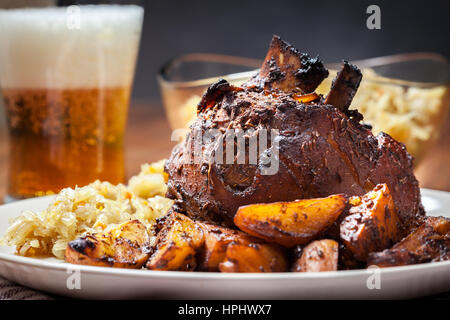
x=66, y=75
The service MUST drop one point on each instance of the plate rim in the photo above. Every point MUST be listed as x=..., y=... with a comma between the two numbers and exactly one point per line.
x=143, y=273
x=201, y=275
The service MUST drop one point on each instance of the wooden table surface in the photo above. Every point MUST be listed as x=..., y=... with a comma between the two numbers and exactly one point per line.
x=148, y=139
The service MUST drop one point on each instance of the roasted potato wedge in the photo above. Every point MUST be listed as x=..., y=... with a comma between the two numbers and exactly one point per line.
x=429, y=242
x=254, y=257
x=216, y=243
x=372, y=224
x=290, y=223
x=319, y=255
x=187, y=245
x=123, y=246
x=177, y=245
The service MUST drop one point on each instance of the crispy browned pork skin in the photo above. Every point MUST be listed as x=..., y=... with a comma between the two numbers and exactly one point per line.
x=344, y=87
x=323, y=149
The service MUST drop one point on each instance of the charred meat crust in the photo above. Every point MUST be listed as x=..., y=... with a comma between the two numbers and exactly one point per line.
x=429, y=242
x=286, y=69
x=344, y=87
x=311, y=73
x=214, y=94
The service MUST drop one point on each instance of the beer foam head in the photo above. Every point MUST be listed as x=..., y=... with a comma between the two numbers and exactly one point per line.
x=69, y=47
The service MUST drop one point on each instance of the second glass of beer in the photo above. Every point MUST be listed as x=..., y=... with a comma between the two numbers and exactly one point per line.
x=66, y=75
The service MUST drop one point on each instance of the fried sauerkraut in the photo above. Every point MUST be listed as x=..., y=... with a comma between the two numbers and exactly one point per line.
x=89, y=209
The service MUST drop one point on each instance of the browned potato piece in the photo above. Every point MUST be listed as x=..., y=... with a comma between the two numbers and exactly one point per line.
x=290, y=223
x=123, y=246
x=254, y=257
x=186, y=245
x=372, y=224
x=319, y=255
x=177, y=245
x=217, y=240
x=429, y=242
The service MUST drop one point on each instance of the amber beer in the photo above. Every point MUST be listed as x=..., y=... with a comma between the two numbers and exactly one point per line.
x=66, y=94
x=64, y=137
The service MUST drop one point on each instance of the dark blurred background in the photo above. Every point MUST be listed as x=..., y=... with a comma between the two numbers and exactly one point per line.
x=333, y=29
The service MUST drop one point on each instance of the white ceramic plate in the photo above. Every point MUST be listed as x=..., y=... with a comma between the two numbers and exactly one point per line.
x=53, y=276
